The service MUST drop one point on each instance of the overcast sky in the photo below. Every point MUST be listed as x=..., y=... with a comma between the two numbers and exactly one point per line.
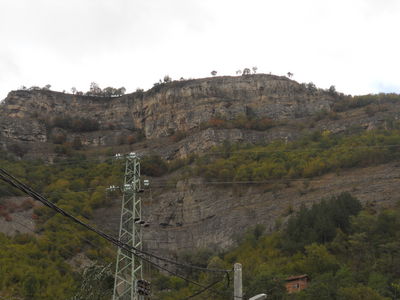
x=352, y=44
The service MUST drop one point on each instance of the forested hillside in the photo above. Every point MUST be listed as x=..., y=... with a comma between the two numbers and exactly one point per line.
x=349, y=253
x=237, y=166
x=347, y=250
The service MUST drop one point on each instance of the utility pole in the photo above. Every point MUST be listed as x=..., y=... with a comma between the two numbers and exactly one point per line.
x=129, y=269
x=237, y=282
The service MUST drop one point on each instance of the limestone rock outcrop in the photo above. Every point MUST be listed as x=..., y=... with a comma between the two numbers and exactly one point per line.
x=194, y=214
x=179, y=106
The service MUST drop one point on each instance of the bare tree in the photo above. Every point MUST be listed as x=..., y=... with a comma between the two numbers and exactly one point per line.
x=239, y=72
x=213, y=73
x=73, y=90
x=254, y=70
x=289, y=74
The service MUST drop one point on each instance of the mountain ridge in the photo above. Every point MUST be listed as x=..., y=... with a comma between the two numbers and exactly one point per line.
x=179, y=119
x=169, y=109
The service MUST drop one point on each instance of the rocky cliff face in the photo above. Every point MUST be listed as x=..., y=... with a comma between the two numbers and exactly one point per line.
x=199, y=215
x=185, y=106
x=162, y=111
x=195, y=214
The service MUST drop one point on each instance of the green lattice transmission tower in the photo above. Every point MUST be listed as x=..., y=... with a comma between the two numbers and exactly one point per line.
x=129, y=269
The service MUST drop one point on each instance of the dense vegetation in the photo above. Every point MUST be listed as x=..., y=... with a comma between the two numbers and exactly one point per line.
x=36, y=266
x=314, y=155
x=347, y=103
x=349, y=254
x=346, y=251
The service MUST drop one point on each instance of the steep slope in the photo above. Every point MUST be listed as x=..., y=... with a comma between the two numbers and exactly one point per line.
x=181, y=118
x=200, y=215
x=184, y=106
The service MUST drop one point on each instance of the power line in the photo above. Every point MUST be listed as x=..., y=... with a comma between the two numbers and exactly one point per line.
x=244, y=150
x=283, y=180
x=247, y=182
x=5, y=176
x=239, y=151
x=66, y=161
x=13, y=298
x=203, y=290
x=147, y=253
x=73, y=254
x=64, y=228
x=83, y=215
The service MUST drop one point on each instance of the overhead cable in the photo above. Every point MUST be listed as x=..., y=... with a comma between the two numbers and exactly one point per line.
x=5, y=176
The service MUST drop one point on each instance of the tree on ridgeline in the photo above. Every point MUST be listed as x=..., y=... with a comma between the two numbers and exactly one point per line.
x=246, y=71
x=332, y=90
x=109, y=91
x=121, y=91
x=95, y=90
x=167, y=79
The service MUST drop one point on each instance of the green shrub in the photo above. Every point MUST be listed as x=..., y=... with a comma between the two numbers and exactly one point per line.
x=313, y=155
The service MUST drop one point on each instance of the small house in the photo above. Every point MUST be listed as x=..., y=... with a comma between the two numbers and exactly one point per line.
x=297, y=283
